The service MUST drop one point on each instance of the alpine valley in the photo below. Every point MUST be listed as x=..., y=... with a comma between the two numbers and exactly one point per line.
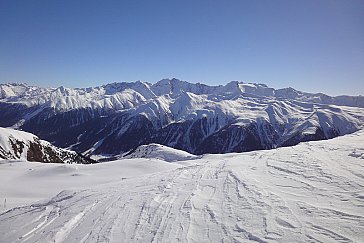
x=115, y=119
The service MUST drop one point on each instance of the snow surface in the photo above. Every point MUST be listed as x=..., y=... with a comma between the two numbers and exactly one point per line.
x=25, y=182
x=312, y=192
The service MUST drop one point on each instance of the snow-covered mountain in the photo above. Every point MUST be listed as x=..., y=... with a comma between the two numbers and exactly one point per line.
x=18, y=145
x=126, y=95
x=312, y=192
x=157, y=151
x=117, y=118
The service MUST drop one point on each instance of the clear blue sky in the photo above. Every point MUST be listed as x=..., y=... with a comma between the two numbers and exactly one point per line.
x=311, y=45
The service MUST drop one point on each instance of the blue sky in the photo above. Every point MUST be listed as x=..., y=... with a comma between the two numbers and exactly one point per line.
x=311, y=45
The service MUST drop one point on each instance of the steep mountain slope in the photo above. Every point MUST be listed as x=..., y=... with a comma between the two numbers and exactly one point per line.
x=116, y=118
x=18, y=145
x=312, y=192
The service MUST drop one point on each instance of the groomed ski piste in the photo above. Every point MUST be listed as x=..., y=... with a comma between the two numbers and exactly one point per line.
x=312, y=192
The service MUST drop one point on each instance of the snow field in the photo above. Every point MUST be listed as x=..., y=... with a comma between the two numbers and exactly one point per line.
x=312, y=192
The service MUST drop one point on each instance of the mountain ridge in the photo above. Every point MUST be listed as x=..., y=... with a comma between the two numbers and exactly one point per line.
x=17, y=92
x=19, y=145
x=117, y=118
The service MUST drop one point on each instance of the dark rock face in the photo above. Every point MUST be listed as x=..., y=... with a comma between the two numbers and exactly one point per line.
x=48, y=154
x=40, y=152
x=17, y=146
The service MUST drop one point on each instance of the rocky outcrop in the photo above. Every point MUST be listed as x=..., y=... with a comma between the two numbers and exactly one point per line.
x=17, y=145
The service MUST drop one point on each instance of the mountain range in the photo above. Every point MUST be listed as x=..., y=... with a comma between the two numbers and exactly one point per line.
x=117, y=118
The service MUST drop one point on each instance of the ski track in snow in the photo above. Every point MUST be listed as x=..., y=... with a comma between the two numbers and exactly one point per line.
x=312, y=192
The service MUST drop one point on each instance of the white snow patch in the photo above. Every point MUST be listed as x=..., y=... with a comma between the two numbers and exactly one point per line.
x=157, y=151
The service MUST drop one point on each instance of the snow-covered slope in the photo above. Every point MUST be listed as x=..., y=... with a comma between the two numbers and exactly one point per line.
x=23, y=183
x=18, y=145
x=117, y=118
x=312, y=192
x=161, y=152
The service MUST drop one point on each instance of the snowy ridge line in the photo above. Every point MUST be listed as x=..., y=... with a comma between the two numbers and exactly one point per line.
x=125, y=95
